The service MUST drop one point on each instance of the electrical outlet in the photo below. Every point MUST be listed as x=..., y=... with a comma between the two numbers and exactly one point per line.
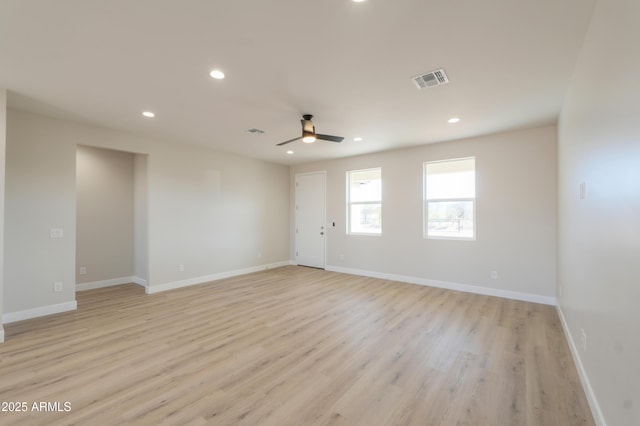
x=583, y=190
x=57, y=287
x=83, y=270
x=583, y=339
x=181, y=267
x=494, y=275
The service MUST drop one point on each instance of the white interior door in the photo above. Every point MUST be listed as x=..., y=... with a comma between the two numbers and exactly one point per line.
x=310, y=219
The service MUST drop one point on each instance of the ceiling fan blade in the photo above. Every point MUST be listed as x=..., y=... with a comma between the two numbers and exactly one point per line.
x=329, y=138
x=289, y=141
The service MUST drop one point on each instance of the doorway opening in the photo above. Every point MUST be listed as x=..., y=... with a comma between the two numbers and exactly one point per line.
x=111, y=218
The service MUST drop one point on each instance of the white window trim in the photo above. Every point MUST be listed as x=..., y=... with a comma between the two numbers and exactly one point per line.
x=349, y=204
x=426, y=201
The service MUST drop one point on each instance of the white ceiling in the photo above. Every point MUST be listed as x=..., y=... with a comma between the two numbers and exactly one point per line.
x=104, y=62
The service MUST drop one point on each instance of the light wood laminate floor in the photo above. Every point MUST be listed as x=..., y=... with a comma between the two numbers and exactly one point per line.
x=294, y=346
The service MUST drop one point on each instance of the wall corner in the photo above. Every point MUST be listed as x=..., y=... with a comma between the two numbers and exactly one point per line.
x=3, y=147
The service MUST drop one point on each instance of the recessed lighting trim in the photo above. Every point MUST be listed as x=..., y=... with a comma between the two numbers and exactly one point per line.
x=289, y=152
x=358, y=1
x=148, y=114
x=453, y=120
x=357, y=139
x=217, y=74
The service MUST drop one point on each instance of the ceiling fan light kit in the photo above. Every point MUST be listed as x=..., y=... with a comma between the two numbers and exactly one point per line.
x=308, y=137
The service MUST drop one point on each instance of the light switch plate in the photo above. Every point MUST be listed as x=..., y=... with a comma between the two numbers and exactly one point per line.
x=56, y=233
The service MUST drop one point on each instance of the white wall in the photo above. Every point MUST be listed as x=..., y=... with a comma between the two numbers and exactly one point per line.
x=40, y=195
x=104, y=214
x=211, y=211
x=515, y=209
x=3, y=140
x=599, y=236
x=140, y=216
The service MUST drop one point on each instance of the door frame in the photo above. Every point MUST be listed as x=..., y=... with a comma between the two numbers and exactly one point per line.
x=324, y=214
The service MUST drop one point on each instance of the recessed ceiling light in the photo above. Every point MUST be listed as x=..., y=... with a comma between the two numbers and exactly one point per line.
x=358, y=139
x=358, y=1
x=453, y=120
x=217, y=74
x=148, y=114
x=289, y=152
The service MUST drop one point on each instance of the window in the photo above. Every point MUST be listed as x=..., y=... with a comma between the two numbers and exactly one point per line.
x=450, y=198
x=364, y=202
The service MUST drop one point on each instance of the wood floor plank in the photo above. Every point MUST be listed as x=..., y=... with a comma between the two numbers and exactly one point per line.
x=294, y=346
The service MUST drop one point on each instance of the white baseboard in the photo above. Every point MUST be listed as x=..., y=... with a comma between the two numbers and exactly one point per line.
x=487, y=291
x=39, y=312
x=213, y=277
x=584, y=379
x=139, y=281
x=109, y=283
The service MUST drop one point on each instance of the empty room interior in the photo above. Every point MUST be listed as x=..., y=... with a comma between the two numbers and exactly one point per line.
x=344, y=212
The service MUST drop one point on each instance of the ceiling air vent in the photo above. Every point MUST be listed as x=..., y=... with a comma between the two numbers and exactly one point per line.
x=430, y=79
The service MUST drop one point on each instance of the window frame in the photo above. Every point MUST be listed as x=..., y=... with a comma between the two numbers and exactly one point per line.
x=426, y=201
x=350, y=203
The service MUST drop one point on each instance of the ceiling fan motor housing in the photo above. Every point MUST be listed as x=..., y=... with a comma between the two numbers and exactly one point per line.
x=307, y=125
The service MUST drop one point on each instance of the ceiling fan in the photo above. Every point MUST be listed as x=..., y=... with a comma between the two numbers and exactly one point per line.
x=309, y=134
